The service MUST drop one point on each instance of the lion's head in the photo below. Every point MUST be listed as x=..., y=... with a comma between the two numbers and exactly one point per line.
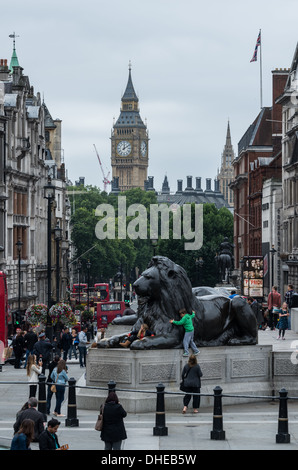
x=167, y=284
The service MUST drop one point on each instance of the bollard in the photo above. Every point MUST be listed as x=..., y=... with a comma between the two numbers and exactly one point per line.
x=282, y=436
x=217, y=432
x=42, y=396
x=71, y=419
x=160, y=428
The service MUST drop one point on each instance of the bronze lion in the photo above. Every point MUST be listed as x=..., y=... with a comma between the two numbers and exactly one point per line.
x=163, y=289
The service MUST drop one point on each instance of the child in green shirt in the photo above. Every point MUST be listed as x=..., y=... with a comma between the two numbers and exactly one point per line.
x=186, y=322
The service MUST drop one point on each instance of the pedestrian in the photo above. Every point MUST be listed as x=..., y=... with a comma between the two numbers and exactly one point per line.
x=30, y=339
x=233, y=294
x=66, y=342
x=18, y=347
x=289, y=301
x=35, y=415
x=25, y=435
x=274, y=304
x=52, y=366
x=254, y=304
x=137, y=334
x=33, y=371
x=43, y=349
x=74, y=343
x=283, y=320
x=191, y=378
x=83, y=341
x=113, y=431
x=48, y=439
x=60, y=379
x=187, y=323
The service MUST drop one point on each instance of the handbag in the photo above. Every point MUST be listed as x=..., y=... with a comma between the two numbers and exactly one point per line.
x=53, y=387
x=99, y=422
x=182, y=386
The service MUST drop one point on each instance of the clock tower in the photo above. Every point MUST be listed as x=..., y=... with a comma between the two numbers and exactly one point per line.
x=129, y=152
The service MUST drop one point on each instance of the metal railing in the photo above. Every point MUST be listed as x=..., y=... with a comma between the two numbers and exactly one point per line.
x=160, y=428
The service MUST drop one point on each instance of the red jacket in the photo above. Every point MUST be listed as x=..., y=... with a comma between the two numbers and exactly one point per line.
x=274, y=300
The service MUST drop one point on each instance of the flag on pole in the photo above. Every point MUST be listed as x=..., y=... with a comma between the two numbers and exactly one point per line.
x=255, y=55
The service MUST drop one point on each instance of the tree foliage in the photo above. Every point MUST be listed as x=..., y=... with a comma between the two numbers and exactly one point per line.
x=107, y=255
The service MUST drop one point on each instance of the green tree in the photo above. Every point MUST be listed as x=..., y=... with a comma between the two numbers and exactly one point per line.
x=217, y=224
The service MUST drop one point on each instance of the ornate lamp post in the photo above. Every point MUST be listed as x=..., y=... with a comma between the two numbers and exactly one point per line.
x=88, y=281
x=49, y=194
x=272, y=251
x=79, y=266
x=58, y=237
x=19, y=245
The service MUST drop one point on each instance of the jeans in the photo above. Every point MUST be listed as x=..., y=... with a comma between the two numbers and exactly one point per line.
x=113, y=445
x=59, y=398
x=49, y=398
x=188, y=341
x=74, y=350
x=83, y=353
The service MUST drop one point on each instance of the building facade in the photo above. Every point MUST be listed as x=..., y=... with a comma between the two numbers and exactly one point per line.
x=24, y=174
x=226, y=173
x=129, y=143
x=289, y=223
x=258, y=159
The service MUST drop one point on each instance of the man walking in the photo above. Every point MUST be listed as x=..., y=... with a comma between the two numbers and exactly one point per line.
x=83, y=341
x=274, y=304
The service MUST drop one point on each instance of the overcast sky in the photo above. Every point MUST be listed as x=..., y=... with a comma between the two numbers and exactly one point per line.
x=190, y=68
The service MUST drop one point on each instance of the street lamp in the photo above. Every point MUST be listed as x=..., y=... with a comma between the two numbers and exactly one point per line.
x=49, y=194
x=79, y=266
x=154, y=243
x=272, y=251
x=19, y=245
x=88, y=280
x=199, y=266
x=58, y=237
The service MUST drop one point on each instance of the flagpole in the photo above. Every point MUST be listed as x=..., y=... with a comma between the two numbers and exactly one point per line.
x=261, y=84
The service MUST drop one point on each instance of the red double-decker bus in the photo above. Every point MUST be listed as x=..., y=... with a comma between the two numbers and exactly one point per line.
x=5, y=319
x=78, y=294
x=101, y=292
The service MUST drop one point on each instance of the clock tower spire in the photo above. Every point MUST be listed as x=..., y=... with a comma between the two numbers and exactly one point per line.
x=129, y=142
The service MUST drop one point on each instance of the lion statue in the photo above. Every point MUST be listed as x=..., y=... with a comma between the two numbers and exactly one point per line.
x=163, y=289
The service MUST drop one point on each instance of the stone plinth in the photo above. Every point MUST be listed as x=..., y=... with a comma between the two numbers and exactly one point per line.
x=294, y=319
x=237, y=370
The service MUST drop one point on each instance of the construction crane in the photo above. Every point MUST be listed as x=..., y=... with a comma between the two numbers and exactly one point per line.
x=105, y=180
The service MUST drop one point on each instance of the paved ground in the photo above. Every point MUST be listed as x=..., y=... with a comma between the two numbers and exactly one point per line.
x=247, y=427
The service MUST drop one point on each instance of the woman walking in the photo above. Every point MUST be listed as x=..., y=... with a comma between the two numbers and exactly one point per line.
x=113, y=430
x=33, y=371
x=191, y=377
x=59, y=378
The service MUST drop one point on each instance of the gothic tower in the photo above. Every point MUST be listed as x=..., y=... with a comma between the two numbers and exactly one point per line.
x=129, y=143
x=226, y=174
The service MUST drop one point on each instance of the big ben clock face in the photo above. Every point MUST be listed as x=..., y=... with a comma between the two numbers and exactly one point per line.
x=124, y=148
x=143, y=148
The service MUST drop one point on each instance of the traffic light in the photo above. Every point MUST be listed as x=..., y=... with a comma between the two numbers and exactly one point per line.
x=18, y=318
x=126, y=298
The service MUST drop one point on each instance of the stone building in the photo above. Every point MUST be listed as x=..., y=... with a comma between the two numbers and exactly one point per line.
x=226, y=173
x=289, y=223
x=258, y=159
x=24, y=172
x=129, y=143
